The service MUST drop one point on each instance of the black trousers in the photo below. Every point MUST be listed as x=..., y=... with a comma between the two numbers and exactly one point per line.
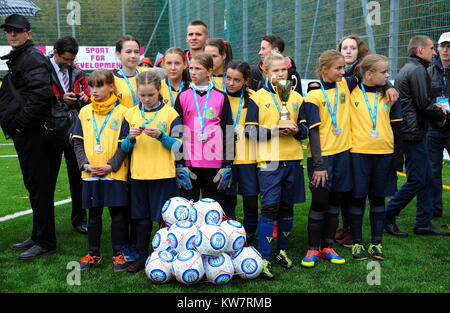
x=39, y=162
x=204, y=184
x=73, y=172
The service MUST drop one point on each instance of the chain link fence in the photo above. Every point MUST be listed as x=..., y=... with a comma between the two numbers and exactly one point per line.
x=308, y=27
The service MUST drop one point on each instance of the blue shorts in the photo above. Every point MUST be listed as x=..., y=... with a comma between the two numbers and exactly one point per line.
x=285, y=183
x=372, y=175
x=104, y=193
x=339, y=169
x=244, y=180
x=149, y=196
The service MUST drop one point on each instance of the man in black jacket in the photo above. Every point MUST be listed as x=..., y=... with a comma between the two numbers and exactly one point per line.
x=268, y=44
x=438, y=139
x=413, y=85
x=25, y=100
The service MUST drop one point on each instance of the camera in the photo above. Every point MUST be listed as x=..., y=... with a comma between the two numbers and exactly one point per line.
x=77, y=95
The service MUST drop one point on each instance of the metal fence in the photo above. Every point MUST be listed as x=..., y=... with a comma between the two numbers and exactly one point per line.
x=308, y=27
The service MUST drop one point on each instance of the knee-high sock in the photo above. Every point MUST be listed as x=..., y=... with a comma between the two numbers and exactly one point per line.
x=95, y=227
x=143, y=232
x=377, y=216
x=315, y=225
x=230, y=205
x=330, y=224
x=356, y=220
x=284, y=225
x=250, y=205
x=265, y=232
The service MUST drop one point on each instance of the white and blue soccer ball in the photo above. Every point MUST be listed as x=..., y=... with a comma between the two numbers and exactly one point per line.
x=207, y=211
x=188, y=267
x=158, y=267
x=182, y=235
x=236, y=235
x=160, y=242
x=211, y=240
x=176, y=209
x=248, y=263
x=219, y=269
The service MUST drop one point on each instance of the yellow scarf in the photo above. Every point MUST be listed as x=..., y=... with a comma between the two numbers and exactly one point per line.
x=103, y=107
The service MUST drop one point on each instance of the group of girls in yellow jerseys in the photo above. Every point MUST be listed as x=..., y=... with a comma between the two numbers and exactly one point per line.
x=146, y=138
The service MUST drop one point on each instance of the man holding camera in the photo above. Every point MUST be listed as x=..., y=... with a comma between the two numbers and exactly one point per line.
x=70, y=87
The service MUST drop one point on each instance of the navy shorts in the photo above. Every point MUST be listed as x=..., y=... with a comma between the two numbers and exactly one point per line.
x=372, y=175
x=285, y=183
x=104, y=193
x=149, y=196
x=244, y=180
x=339, y=169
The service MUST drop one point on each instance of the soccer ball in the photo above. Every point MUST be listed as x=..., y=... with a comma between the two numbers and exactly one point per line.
x=207, y=211
x=158, y=267
x=236, y=235
x=211, y=240
x=160, y=242
x=181, y=236
x=188, y=268
x=176, y=209
x=247, y=263
x=219, y=269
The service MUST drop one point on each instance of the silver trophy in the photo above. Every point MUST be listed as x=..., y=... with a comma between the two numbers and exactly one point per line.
x=283, y=89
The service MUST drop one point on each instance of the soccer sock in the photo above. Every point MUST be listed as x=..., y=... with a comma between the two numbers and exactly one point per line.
x=356, y=219
x=230, y=205
x=377, y=211
x=118, y=228
x=95, y=230
x=143, y=232
x=315, y=224
x=250, y=205
x=330, y=224
x=284, y=227
x=265, y=231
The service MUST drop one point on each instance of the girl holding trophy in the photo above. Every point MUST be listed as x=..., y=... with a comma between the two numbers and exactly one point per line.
x=279, y=156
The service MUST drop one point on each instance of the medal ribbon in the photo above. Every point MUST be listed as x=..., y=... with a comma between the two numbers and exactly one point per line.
x=236, y=122
x=143, y=114
x=273, y=96
x=170, y=90
x=373, y=116
x=201, y=118
x=332, y=113
x=97, y=134
x=135, y=99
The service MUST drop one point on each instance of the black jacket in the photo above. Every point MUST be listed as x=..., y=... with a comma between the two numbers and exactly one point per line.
x=258, y=79
x=436, y=72
x=29, y=72
x=414, y=87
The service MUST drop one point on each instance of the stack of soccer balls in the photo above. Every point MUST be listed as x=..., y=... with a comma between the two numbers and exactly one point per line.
x=198, y=241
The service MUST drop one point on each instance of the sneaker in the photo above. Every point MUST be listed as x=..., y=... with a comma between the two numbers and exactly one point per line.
x=283, y=260
x=346, y=240
x=137, y=266
x=341, y=232
x=331, y=255
x=310, y=258
x=267, y=270
x=88, y=261
x=358, y=252
x=119, y=263
x=376, y=251
x=129, y=253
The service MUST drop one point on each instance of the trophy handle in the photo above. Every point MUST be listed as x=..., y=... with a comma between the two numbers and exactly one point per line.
x=295, y=79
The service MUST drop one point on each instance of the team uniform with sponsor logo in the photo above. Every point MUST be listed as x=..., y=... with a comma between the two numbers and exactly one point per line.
x=371, y=157
x=125, y=87
x=207, y=147
x=279, y=162
x=96, y=135
x=169, y=94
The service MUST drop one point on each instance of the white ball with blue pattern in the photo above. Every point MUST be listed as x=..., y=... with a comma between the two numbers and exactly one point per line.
x=188, y=267
x=182, y=235
x=219, y=269
x=248, y=263
x=176, y=209
x=207, y=211
x=158, y=267
x=236, y=235
x=211, y=240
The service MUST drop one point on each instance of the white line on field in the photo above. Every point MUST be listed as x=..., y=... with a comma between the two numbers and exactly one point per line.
x=9, y=156
x=6, y=144
x=22, y=213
